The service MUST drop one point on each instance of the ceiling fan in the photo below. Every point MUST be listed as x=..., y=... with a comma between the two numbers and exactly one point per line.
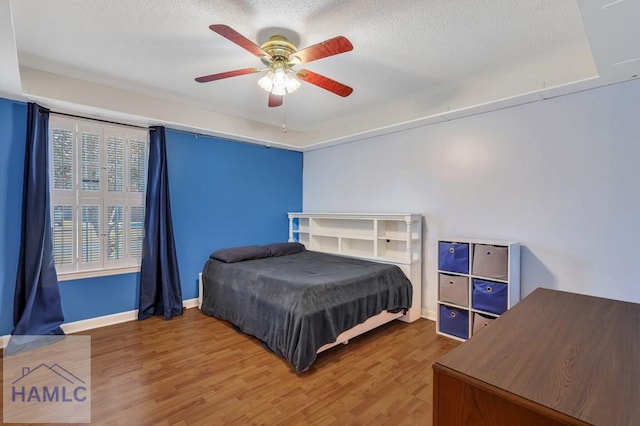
x=280, y=56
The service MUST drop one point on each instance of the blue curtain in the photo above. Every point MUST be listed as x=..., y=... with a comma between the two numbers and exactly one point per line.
x=36, y=305
x=160, y=290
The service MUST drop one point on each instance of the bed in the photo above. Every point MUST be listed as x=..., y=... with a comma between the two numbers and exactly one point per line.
x=299, y=302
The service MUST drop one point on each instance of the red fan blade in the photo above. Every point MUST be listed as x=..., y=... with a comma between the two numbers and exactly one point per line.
x=333, y=46
x=324, y=82
x=234, y=36
x=212, y=77
x=275, y=100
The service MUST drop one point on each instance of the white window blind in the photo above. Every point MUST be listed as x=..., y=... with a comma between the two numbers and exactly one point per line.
x=98, y=179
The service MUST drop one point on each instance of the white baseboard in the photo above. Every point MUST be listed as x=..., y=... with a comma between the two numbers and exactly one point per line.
x=191, y=303
x=91, y=323
x=430, y=315
x=103, y=321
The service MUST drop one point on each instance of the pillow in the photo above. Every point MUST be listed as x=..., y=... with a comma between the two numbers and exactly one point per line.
x=283, y=249
x=238, y=254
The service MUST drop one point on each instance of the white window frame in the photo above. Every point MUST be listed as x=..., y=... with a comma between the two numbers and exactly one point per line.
x=77, y=197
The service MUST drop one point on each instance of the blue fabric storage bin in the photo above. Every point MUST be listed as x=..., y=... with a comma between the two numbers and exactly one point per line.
x=454, y=321
x=453, y=257
x=489, y=296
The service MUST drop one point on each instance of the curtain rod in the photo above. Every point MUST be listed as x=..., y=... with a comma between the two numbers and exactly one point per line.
x=96, y=119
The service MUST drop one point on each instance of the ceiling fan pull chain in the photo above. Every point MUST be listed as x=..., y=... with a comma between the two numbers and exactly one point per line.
x=284, y=120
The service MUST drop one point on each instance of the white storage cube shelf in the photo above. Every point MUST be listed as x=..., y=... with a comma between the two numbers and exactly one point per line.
x=491, y=268
x=385, y=237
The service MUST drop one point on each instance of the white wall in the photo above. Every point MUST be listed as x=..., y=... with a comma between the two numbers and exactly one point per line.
x=560, y=176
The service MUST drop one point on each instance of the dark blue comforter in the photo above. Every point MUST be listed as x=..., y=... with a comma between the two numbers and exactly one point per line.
x=297, y=303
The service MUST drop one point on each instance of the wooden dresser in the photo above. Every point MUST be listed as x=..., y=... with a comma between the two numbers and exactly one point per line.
x=556, y=358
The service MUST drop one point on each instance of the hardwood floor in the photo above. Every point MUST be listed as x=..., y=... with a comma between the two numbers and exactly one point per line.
x=197, y=370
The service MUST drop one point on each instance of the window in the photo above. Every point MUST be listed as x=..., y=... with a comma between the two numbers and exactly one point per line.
x=98, y=185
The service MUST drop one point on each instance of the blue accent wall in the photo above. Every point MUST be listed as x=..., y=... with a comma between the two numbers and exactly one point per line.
x=226, y=193
x=223, y=193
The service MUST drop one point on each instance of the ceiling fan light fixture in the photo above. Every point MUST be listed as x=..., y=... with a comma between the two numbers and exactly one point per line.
x=279, y=82
x=266, y=82
x=292, y=83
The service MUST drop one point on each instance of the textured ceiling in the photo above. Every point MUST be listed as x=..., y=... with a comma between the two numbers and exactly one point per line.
x=411, y=60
